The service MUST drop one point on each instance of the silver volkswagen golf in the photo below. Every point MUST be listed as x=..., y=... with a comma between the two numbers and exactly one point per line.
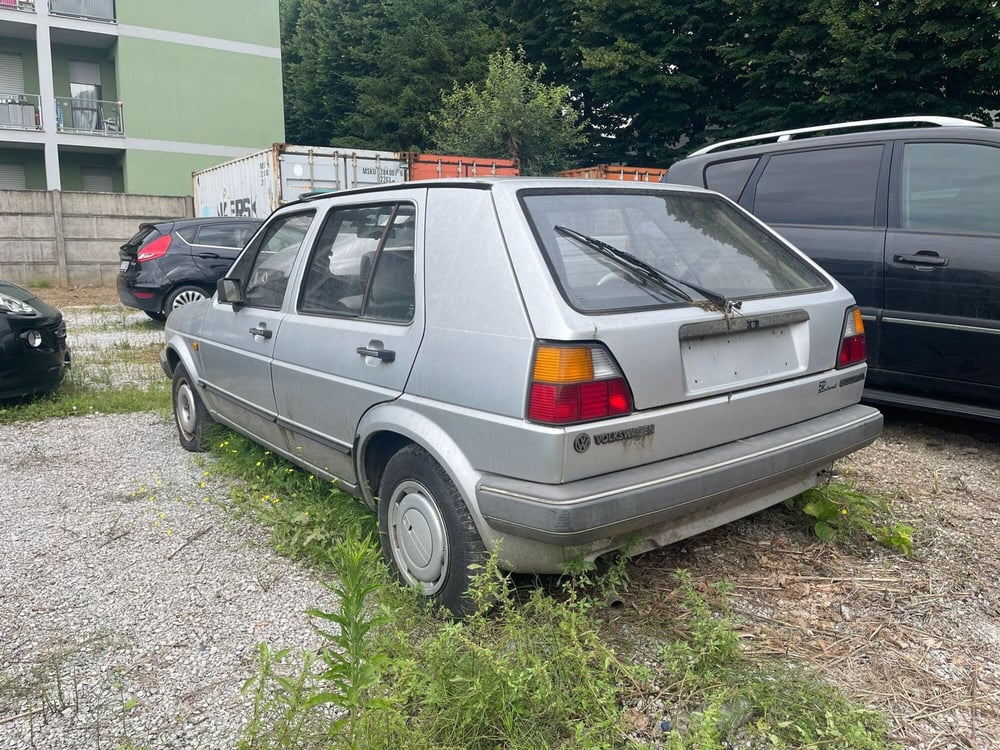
x=551, y=368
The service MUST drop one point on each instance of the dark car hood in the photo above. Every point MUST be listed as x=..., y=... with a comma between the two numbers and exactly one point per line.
x=18, y=292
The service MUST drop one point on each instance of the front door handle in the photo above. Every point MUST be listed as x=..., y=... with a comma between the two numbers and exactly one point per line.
x=262, y=331
x=386, y=355
x=923, y=258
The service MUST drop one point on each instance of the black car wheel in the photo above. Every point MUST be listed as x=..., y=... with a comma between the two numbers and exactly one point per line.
x=190, y=413
x=182, y=295
x=158, y=316
x=426, y=530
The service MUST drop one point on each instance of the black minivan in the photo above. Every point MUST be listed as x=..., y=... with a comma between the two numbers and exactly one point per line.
x=905, y=212
x=170, y=263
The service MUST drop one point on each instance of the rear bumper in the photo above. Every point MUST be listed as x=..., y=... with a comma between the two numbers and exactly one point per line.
x=714, y=486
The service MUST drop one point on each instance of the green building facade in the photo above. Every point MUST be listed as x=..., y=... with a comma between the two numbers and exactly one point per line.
x=134, y=95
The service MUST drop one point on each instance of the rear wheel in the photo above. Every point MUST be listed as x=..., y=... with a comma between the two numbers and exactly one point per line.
x=190, y=413
x=157, y=316
x=427, y=532
x=182, y=295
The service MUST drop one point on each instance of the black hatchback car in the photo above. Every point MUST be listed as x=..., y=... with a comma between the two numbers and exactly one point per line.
x=170, y=263
x=33, y=351
x=905, y=212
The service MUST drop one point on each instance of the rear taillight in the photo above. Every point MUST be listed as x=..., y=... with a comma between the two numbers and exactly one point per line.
x=155, y=249
x=576, y=384
x=852, y=342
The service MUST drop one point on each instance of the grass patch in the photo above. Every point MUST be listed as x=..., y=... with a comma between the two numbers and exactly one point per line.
x=71, y=400
x=525, y=671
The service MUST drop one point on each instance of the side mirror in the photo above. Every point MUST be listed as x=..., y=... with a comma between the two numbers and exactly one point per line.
x=229, y=291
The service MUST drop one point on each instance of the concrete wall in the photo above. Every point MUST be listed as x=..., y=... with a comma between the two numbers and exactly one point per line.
x=72, y=239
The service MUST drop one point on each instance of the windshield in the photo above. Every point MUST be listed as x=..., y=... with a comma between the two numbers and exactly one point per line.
x=699, y=240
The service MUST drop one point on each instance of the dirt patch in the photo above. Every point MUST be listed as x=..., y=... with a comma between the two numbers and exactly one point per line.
x=74, y=296
x=917, y=637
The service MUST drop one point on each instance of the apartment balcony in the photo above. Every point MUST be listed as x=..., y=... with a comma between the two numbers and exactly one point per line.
x=90, y=117
x=25, y=5
x=20, y=112
x=92, y=10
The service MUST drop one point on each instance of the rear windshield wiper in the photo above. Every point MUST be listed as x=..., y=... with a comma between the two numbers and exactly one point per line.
x=638, y=266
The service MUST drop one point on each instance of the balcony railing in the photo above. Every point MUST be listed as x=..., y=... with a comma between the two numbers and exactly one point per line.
x=26, y=5
x=97, y=10
x=89, y=117
x=20, y=112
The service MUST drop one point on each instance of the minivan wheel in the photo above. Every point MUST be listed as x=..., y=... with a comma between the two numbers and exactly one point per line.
x=427, y=533
x=183, y=295
x=190, y=413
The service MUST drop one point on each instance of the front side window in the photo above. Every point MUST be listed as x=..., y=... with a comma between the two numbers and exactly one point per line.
x=362, y=264
x=951, y=187
x=832, y=187
x=701, y=245
x=265, y=268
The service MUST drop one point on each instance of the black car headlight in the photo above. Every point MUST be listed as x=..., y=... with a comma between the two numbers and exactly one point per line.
x=10, y=304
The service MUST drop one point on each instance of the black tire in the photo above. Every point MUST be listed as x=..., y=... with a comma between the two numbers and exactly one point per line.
x=181, y=296
x=427, y=533
x=157, y=316
x=190, y=414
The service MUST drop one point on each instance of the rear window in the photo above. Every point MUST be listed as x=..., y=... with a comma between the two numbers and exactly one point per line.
x=694, y=239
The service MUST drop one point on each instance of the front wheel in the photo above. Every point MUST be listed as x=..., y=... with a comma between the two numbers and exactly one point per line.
x=427, y=532
x=190, y=413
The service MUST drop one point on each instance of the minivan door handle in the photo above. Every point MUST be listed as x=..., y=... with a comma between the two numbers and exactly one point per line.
x=386, y=355
x=923, y=258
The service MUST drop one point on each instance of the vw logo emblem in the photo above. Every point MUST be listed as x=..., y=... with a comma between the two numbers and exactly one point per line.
x=582, y=443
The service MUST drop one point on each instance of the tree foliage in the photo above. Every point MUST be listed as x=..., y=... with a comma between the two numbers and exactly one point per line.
x=512, y=115
x=651, y=80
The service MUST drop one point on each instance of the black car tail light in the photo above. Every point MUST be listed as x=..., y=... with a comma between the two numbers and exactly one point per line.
x=155, y=249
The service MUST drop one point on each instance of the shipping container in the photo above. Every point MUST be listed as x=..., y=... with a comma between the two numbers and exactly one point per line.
x=256, y=184
x=615, y=172
x=432, y=166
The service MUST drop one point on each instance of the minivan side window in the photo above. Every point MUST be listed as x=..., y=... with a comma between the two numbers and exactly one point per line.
x=264, y=269
x=730, y=177
x=951, y=187
x=835, y=186
x=362, y=264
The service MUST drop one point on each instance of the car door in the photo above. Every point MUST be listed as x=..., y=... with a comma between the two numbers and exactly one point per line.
x=942, y=285
x=237, y=342
x=216, y=245
x=353, y=337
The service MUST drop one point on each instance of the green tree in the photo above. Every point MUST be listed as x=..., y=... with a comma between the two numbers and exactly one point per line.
x=830, y=60
x=513, y=115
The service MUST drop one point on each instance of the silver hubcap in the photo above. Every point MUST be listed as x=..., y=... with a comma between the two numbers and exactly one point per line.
x=189, y=295
x=417, y=536
x=185, y=410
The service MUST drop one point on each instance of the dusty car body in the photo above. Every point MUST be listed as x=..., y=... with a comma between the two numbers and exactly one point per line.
x=545, y=367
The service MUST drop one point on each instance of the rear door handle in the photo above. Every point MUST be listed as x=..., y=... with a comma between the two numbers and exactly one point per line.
x=923, y=258
x=386, y=355
x=209, y=256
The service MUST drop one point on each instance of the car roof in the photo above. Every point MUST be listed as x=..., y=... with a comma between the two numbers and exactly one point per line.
x=950, y=133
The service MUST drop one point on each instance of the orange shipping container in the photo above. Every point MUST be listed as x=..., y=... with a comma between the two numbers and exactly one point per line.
x=431, y=166
x=615, y=172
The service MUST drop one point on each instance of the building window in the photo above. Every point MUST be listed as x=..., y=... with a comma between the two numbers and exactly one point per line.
x=96, y=180
x=85, y=89
x=12, y=177
x=11, y=73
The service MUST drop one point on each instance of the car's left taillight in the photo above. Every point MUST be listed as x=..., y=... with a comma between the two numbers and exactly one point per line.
x=155, y=249
x=852, y=341
x=573, y=383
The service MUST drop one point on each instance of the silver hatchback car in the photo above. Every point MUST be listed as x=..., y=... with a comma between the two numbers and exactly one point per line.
x=550, y=368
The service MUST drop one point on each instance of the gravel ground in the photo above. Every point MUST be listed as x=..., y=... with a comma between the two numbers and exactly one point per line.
x=130, y=603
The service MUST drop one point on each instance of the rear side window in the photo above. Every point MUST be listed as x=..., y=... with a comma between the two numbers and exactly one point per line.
x=836, y=186
x=951, y=187
x=224, y=235
x=692, y=238
x=362, y=264
x=730, y=177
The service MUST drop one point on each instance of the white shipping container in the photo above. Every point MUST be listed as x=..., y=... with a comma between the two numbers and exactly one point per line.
x=256, y=184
